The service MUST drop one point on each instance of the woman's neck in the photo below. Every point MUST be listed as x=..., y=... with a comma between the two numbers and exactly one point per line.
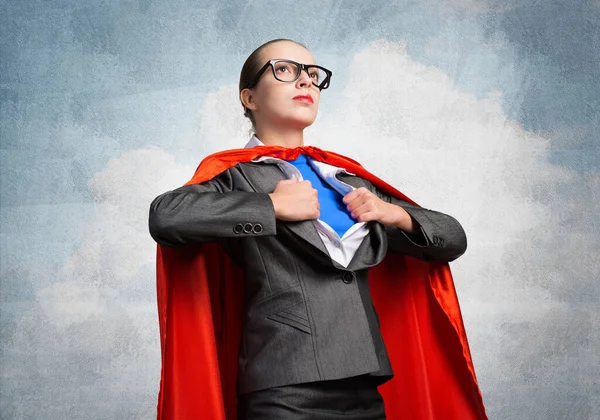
x=285, y=137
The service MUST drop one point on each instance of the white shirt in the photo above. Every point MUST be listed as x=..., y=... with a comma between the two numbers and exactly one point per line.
x=341, y=250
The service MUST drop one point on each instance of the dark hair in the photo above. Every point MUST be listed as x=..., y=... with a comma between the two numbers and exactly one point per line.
x=249, y=69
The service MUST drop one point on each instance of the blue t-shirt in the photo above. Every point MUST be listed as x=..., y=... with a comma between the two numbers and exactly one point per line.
x=333, y=209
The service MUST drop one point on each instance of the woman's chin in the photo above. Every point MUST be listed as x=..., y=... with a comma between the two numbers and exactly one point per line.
x=302, y=121
x=295, y=120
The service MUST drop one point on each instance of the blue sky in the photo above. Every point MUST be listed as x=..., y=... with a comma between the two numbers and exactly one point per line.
x=95, y=96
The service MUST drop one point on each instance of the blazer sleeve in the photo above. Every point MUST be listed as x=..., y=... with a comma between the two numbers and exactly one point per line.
x=210, y=211
x=439, y=236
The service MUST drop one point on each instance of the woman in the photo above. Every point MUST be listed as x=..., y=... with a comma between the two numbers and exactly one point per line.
x=305, y=234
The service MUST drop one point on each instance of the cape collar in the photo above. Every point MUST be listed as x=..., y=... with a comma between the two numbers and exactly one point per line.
x=324, y=169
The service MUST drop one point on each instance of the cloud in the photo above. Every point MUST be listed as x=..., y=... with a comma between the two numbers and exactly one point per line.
x=222, y=123
x=89, y=339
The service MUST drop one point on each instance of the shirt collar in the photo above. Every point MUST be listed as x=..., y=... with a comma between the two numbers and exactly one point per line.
x=253, y=142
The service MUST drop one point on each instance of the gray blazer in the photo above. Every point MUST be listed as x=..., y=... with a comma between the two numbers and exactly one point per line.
x=307, y=318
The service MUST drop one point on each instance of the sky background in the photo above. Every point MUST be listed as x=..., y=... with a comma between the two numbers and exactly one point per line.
x=487, y=110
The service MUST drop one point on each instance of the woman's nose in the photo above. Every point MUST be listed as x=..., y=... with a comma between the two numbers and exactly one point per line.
x=304, y=79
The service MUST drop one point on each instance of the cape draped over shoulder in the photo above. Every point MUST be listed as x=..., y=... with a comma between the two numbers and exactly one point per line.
x=200, y=304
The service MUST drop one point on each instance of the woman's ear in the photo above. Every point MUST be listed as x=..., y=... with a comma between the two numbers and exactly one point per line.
x=247, y=99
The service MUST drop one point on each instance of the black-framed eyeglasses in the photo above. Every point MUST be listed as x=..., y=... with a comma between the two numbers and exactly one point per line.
x=289, y=71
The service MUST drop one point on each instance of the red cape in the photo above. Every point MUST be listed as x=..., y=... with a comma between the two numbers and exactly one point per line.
x=200, y=301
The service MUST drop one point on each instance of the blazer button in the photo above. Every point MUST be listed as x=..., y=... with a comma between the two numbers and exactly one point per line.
x=248, y=228
x=238, y=228
x=347, y=277
x=257, y=228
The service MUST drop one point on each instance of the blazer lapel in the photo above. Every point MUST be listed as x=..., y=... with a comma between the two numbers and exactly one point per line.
x=353, y=180
x=263, y=178
x=373, y=248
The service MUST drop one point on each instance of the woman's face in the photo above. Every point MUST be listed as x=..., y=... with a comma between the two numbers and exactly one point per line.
x=273, y=100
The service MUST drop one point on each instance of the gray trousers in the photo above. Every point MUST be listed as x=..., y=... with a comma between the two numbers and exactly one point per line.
x=354, y=398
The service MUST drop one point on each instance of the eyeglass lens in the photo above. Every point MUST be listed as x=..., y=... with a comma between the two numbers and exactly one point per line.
x=286, y=71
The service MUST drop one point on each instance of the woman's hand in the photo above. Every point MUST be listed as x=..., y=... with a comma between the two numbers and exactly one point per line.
x=366, y=206
x=295, y=200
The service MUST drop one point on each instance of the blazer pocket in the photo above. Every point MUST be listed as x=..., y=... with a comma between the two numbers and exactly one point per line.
x=294, y=316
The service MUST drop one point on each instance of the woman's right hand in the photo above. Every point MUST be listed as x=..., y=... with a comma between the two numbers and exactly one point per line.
x=295, y=200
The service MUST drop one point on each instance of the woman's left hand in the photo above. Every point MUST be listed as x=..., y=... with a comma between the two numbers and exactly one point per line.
x=366, y=206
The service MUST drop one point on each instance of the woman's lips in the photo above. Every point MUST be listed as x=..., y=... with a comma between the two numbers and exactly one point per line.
x=304, y=98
